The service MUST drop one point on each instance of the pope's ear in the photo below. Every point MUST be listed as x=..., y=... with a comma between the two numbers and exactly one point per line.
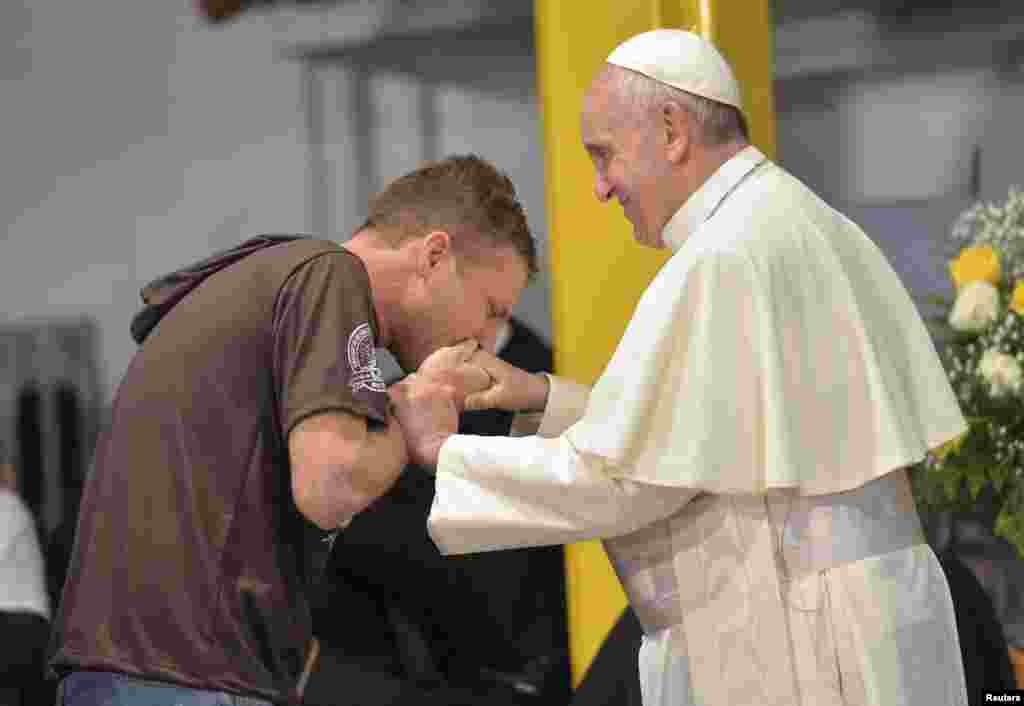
x=675, y=125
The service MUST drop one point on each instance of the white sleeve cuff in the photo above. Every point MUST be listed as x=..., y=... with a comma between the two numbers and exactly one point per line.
x=497, y=493
x=567, y=401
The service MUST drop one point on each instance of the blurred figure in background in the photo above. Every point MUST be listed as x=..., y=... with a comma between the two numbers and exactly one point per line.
x=24, y=604
x=486, y=628
x=982, y=646
x=967, y=538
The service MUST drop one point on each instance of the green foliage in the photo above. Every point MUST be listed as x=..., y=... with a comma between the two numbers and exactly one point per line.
x=986, y=370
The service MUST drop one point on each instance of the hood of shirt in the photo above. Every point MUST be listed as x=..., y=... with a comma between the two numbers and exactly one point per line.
x=160, y=295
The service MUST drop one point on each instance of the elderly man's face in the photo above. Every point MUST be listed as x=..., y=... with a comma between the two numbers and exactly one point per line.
x=629, y=160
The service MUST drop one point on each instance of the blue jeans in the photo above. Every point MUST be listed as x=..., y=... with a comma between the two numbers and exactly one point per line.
x=114, y=689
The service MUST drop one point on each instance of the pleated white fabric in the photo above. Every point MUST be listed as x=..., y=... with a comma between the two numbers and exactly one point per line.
x=839, y=651
x=777, y=342
x=773, y=605
x=778, y=599
x=743, y=458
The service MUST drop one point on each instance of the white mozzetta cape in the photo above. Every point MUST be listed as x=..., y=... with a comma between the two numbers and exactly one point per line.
x=776, y=343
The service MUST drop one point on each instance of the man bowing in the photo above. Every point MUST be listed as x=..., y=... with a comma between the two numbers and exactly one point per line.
x=743, y=455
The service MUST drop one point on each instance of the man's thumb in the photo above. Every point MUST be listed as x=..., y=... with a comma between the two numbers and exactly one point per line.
x=478, y=400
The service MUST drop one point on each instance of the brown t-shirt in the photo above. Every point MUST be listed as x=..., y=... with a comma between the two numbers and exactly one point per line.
x=191, y=559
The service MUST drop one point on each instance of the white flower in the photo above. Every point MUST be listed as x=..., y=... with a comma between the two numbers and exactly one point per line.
x=975, y=308
x=1001, y=371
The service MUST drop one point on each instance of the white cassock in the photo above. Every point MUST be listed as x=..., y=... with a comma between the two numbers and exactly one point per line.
x=742, y=457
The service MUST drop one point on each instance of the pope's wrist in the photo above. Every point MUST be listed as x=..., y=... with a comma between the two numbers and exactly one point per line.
x=434, y=453
x=539, y=397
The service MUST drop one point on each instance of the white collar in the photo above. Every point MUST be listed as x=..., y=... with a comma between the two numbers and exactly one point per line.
x=706, y=200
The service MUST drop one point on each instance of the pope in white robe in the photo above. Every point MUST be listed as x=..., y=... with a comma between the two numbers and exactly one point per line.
x=743, y=456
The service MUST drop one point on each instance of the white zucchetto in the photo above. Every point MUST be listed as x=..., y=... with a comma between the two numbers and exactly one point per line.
x=680, y=59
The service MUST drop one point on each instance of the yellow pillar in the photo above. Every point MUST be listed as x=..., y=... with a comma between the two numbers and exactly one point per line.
x=598, y=272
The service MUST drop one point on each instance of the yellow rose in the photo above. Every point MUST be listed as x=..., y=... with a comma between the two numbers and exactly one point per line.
x=977, y=262
x=1017, y=301
x=950, y=446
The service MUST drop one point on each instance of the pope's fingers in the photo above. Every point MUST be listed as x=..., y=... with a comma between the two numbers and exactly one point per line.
x=472, y=378
x=495, y=366
x=467, y=378
x=476, y=401
x=486, y=399
x=444, y=359
x=416, y=387
x=467, y=348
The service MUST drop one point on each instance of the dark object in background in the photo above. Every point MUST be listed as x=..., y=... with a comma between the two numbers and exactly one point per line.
x=994, y=563
x=223, y=10
x=23, y=658
x=383, y=595
x=61, y=540
x=512, y=601
x=30, y=448
x=982, y=644
x=218, y=11
x=613, y=678
x=401, y=624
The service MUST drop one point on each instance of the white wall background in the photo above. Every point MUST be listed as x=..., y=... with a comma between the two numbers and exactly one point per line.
x=387, y=105
x=133, y=139
x=922, y=123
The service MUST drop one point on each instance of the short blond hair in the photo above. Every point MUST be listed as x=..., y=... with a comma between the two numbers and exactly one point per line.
x=464, y=195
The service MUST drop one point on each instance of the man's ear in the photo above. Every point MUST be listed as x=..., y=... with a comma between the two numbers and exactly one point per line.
x=436, y=251
x=675, y=123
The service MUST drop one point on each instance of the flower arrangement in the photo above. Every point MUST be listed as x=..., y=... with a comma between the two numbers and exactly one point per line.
x=984, y=358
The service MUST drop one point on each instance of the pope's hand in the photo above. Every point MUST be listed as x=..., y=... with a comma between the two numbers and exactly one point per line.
x=451, y=366
x=511, y=388
x=428, y=414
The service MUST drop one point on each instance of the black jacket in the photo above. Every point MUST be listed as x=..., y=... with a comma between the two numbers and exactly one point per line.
x=399, y=623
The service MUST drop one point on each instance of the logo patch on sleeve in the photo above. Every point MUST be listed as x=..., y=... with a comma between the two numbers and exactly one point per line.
x=362, y=361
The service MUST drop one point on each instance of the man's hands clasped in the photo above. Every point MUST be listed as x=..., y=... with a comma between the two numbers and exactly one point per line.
x=456, y=368
x=427, y=403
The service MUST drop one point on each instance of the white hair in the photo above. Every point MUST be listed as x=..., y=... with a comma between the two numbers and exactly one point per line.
x=717, y=123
